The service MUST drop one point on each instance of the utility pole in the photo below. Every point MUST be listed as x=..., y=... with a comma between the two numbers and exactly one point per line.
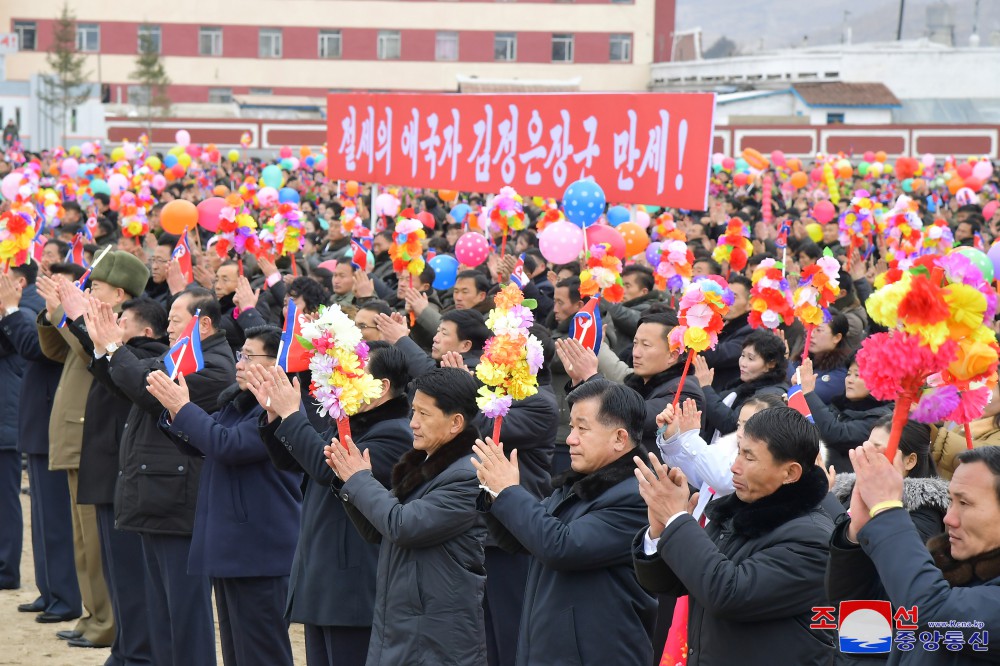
x=899, y=26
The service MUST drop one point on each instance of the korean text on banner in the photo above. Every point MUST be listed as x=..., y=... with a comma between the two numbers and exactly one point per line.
x=650, y=148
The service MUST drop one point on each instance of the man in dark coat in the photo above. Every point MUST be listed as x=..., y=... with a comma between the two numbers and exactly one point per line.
x=583, y=604
x=460, y=331
x=247, y=518
x=157, y=484
x=638, y=285
x=51, y=520
x=754, y=574
x=429, y=594
x=955, y=577
x=332, y=586
x=725, y=358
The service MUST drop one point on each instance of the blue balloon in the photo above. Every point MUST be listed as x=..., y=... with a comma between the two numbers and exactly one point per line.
x=288, y=195
x=583, y=203
x=272, y=176
x=310, y=160
x=460, y=211
x=618, y=215
x=98, y=185
x=170, y=160
x=445, y=270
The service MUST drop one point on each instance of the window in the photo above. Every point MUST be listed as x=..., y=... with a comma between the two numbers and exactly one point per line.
x=210, y=41
x=260, y=91
x=505, y=46
x=27, y=32
x=220, y=95
x=138, y=95
x=834, y=119
x=330, y=44
x=270, y=43
x=562, y=48
x=446, y=46
x=388, y=44
x=149, y=38
x=621, y=48
x=88, y=37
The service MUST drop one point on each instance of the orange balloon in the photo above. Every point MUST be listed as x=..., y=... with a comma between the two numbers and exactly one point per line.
x=636, y=239
x=305, y=151
x=793, y=164
x=755, y=159
x=351, y=188
x=799, y=179
x=220, y=190
x=178, y=215
x=844, y=172
x=447, y=195
x=955, y=184
x=880, y=156
x=918, y=184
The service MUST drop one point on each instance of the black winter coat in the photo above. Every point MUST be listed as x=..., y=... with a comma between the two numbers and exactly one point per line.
x=333, y=573
x=157, y=485
x=12, y=369
x=753, y=576
x=844, y=425
x=722, y=418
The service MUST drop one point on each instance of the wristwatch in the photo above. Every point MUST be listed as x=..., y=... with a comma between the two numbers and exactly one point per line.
x=112, y=348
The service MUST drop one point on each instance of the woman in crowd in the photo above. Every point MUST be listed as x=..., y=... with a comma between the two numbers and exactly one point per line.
x=829, y=352
x=949, y=442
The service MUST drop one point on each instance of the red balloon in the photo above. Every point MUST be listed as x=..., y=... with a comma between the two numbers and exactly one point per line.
x=965, y=170
x=602, y=233
x=740, y=179
x=974, y=184
x=906, y=167
x=816, y=175
x=426, y=219
x=208, y=213
x=823, y=212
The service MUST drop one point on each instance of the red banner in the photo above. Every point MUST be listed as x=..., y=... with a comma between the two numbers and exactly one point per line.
x=651, y=148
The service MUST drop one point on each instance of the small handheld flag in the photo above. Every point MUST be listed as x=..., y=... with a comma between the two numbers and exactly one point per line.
x=585, y=327
x=359, y=257
x=797, y=401
x=185, y=356
x=182, y=253
x=292, y=356
x=518, y=276
x=75, y=253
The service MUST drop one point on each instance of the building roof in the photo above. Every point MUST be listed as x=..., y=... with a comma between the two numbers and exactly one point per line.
x=846, y=94
x=471, y=84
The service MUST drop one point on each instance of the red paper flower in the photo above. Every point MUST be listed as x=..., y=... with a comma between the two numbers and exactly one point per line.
x=924, y=304
x=895, y=363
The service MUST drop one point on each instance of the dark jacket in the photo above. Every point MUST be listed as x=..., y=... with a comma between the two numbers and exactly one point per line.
x=725, y=358
x=12, y=369
x=659, y=391
x=927, y=577
x=753, y=576
x=333, y=573
x=104, y=421
x=626, y=316
x=431, y=566
x=158, y=485
x=722, y=418
x=845, y=425
x=582, y=602
x=159, y=292
x=41, y=375
x=829, y=382
x=246, y=520
x=234, y=334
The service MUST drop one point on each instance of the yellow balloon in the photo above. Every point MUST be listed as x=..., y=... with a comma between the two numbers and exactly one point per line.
x=538, y=201
x=177, y=150
x=118, y=154
x=153, y=162
x=184, y=160
x=234, y=156
x=815, y=232
x=75, y=151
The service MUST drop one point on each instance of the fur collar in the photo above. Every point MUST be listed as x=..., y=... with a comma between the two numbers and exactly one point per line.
x=963, y=573
x=786, y=503
x=931, y=492
x=415, y=468
x=591, y=486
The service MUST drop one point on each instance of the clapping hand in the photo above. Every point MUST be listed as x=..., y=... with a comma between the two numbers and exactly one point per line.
x=172, y=396
x=346, y=462
x=579, y=362
x=10, y=292
x=245, y=297
x=102, y=323
x=392, y=328
x=704, y=374
x=664, y=490
x=71, y=299
x=494, y=470
x=807, y=378
x=454, y=359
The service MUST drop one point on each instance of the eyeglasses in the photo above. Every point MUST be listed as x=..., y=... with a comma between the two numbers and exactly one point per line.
x=158, y=260
x=365, y=327
x=243, y=356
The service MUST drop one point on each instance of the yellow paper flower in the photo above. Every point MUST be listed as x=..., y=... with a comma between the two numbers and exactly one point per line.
x=696, y=339
x=968, y=306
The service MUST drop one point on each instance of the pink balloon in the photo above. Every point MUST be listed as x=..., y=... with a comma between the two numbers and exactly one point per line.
x=285, y=151
x=561, y=242
x=642, y=219
x=87, y=148
x=823, y=212
x=159, y=182
x=329, y=264
x=386, y=204
x=990, y=209
x=472, y=249
x=869, y=156
x=295, y=163
x=69, y=167
x=117, y=182
x=982, y=170
x=927, y=160
x=267, y=196
x=183, y=138
x=10, y=185
x=193, y=149
x=601, y=233
x=208, y=213
x=778, y=158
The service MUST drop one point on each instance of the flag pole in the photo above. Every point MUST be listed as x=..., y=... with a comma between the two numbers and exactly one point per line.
x=83, y=279
x=180, y=359
x=277, y=362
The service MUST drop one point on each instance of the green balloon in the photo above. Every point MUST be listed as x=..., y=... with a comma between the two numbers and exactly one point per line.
x=979, y=260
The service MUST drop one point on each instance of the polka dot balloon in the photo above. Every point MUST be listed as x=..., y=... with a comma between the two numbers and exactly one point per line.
x=583, y=203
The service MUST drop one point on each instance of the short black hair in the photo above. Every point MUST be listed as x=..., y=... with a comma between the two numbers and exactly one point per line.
x=666, y=318
x=643, y=275
x=380, y=307
x=788, y=435
x=989, y=456
x=386, y=361
x=742, y=280
x=531, y=262
x=572, y=267
x=428, y=275
x=149, y=312
x=470, y=325
x=713, y=266
x=28, y=271
x=64, y=268
x=810, y=249
x=916, y=438
x=311, y=291
x=573, y=285
x=103, y=198
x=975, y=221
x=453, y=391
x=270, y=337
x=61, y=244
x=481, y=281
x=72, y=205
x=204, y=300
x=771, y=349
x=620, y=406
x=169, y=240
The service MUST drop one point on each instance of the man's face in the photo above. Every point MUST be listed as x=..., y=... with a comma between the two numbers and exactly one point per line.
x=466, y=296
x=158, y=263
x=50, y=255
x=132, y=326
x=452, y=235
x=178, y=318
x=432, y=428
x=701, y=268
x=805, y=260
x=336, y=230
x=831, y=233
x=963, y=232
x=226, y=278
x=343, y=278
x=651, y=354
x=252, y=354
x=632, y=287
x=973, y=519
x=563, y=305
x=741, y=301
x=593, y=445
x=446, y=340
x=365, y=320
x=380, y=245
x=755, y=472
x=105, y=293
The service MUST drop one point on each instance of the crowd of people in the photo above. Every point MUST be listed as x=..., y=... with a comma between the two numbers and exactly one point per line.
x=633, y=499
